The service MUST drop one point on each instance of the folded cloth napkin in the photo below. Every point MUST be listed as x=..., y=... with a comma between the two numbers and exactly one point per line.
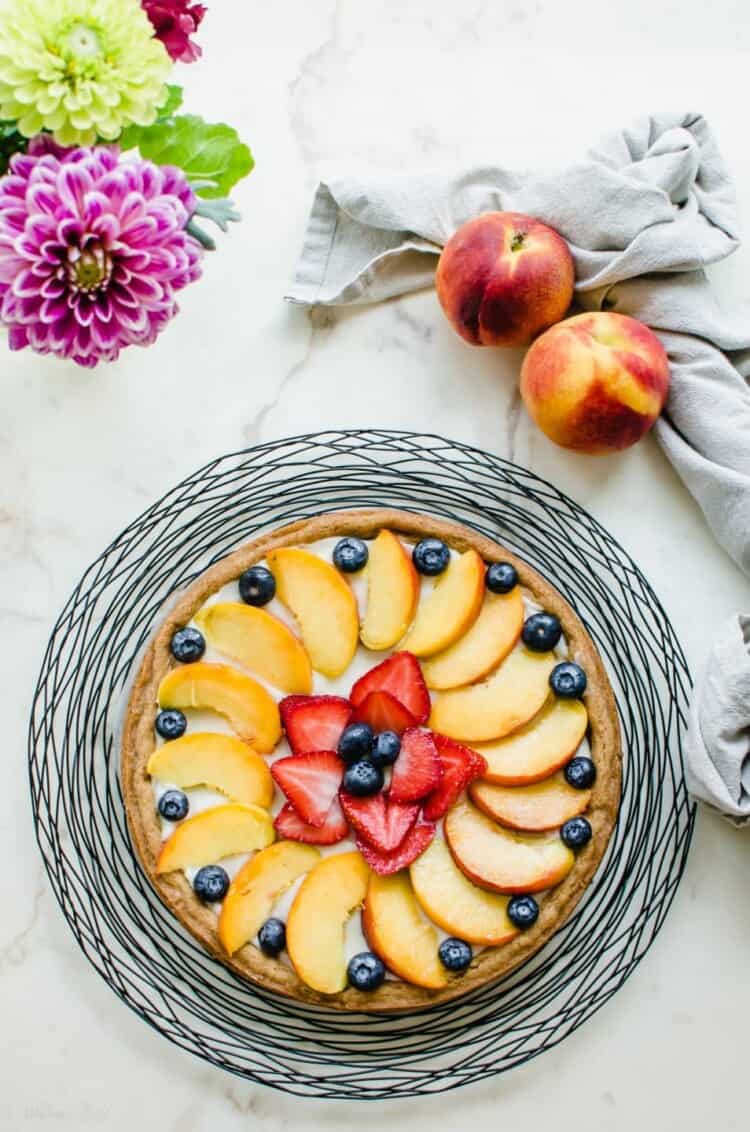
x=643, y=212
x=718, y=763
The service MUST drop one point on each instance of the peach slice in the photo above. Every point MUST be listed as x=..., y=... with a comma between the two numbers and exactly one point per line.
x=222, y=762
x=398, y=932
x=539, y=748
x=330, y=892
x=541, y=806
x=256, y=888
x=504, y=701
x=260, y=642
x=323, y=604
x=212, y=834
x=488, y=641
x=450, y=608
x=454, y=903
x=503, y=861
x=392, y=593
x=245, y=703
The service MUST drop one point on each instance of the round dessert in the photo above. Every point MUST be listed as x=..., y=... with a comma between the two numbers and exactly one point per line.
x=371, y=760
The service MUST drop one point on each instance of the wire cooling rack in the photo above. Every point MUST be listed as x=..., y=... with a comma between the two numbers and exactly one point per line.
x=160, y=971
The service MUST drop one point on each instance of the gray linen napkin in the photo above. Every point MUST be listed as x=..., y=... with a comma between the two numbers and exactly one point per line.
x=643, y=212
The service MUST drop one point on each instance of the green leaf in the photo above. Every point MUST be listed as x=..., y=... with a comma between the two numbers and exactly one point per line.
x=10, y=142
x=220, y=212
x=173, y=101
x=131, y=135
x=211, y=155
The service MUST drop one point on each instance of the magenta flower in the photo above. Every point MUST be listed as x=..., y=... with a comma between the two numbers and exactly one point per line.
x=175, y=21
x=93, y=249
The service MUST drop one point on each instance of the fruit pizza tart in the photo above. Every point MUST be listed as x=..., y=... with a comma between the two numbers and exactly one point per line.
x=371, y=760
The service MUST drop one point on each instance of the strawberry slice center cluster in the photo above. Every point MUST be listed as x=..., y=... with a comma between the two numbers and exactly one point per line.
x=393, y=827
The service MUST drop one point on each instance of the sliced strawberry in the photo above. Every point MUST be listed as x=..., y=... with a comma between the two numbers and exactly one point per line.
x=289, y=824
x=384, y=713
x=413, y=845
x=314, y=723
x=460, y=766
x=310, y=782
x=417, y=771
x=400, y=675
x=379, y=821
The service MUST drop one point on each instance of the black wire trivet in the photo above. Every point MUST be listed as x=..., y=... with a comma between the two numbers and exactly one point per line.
x=141, y=950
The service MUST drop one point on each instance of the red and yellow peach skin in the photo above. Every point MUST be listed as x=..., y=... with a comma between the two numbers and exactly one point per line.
x=596, y=382
x=503, y=278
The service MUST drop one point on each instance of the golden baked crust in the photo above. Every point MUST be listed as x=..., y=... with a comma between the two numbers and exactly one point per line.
x=201, y=921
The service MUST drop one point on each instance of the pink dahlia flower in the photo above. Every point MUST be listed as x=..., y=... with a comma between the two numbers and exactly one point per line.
x=93, y=249
x=175, y=21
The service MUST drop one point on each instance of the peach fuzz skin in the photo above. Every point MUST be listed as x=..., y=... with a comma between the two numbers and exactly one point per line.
x=595, y=383
x=503, y=278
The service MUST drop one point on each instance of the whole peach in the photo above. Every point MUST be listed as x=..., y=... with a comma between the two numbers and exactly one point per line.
x=595, y=382
x=504, y=277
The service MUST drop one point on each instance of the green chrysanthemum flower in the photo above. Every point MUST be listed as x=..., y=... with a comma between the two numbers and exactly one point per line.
x=83, y=69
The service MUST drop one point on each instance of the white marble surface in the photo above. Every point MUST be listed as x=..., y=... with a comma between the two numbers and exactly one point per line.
x=397, y=81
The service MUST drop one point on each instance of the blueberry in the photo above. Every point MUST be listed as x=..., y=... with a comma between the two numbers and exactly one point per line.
x=523, y=911
x=455, y=954
x=541, y=632
x=501, y=578
x=576, y=833
x=173, y=805
x=188, y=645
x=211, y=883
x=568, y=680
x=431, y=556
x=170, y=724
x=350, y=555
x=580, y=772
x=257, y=586
x=356, y=742
x=362, y=778
x=272, y=937
x=386, y=749
x=366, y=971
